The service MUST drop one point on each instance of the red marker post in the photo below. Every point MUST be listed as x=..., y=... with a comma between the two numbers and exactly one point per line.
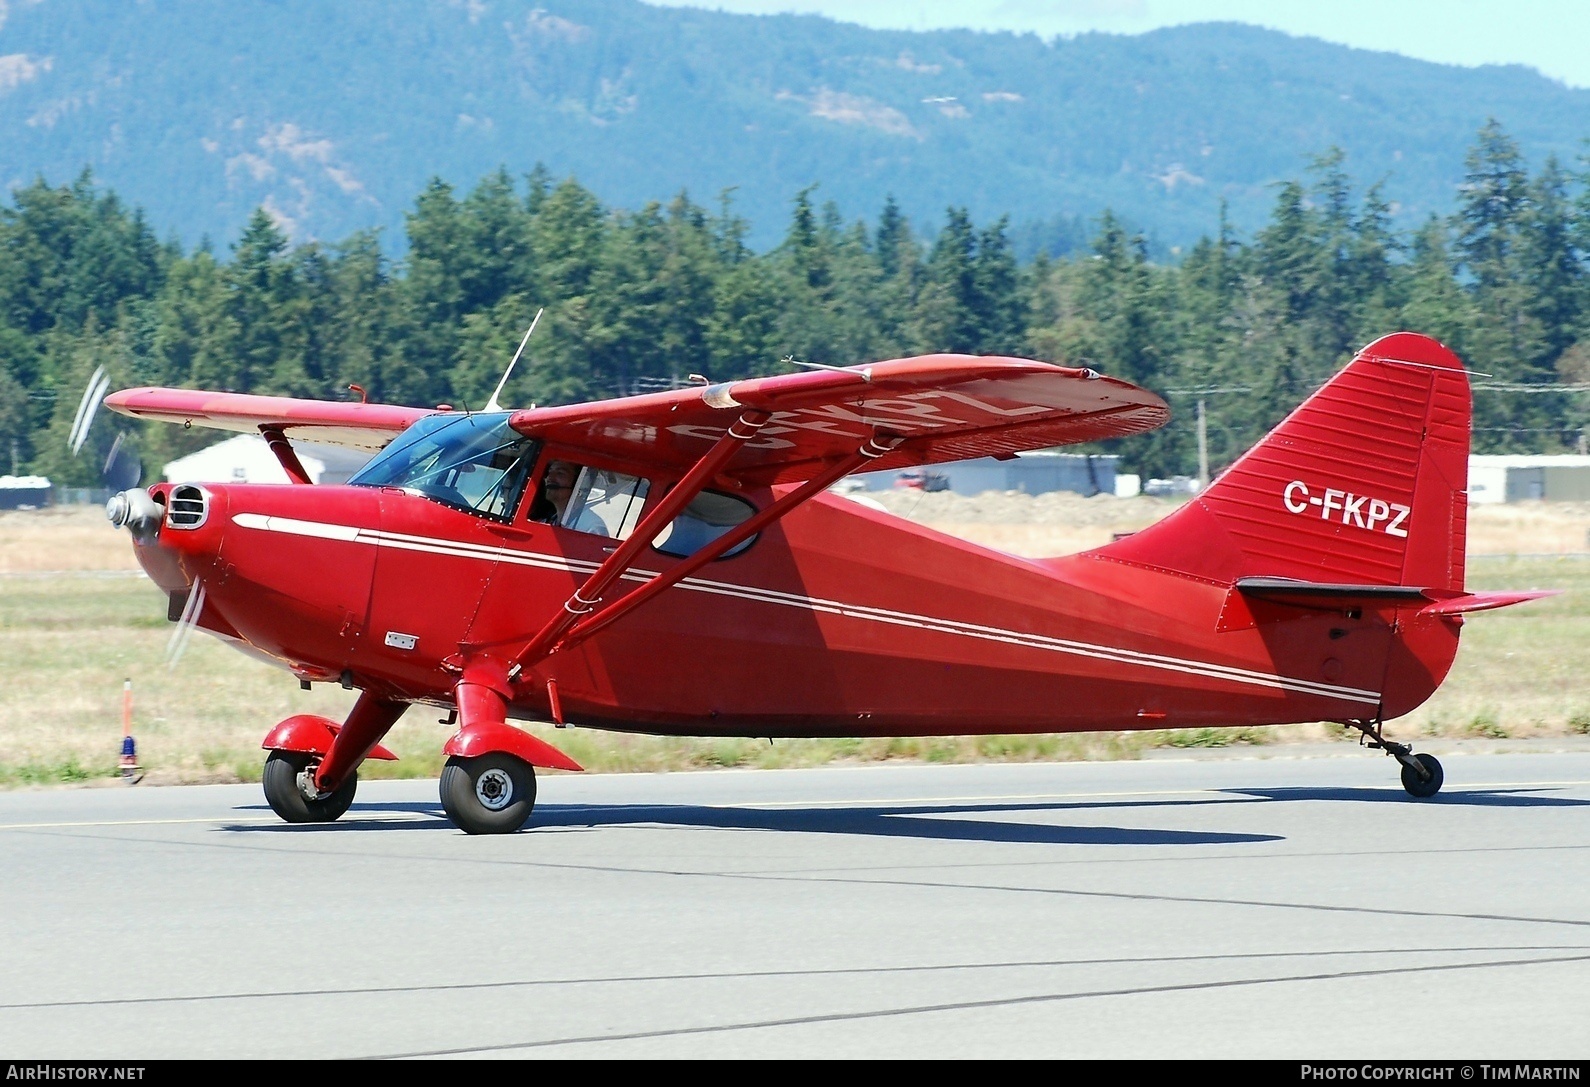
x=129, y=747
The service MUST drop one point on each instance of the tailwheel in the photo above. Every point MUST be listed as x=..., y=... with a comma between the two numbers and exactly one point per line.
x=488, y=794
x=1426, y=784
x=290, y=789
x=1421, y=774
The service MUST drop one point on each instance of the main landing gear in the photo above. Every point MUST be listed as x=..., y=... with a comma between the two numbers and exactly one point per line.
x=488, y=785
x=488, y=794
x=1421, y=774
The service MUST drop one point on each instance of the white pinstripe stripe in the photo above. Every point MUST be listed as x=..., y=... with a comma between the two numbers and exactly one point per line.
x=1037, y=641
x=1113, y=654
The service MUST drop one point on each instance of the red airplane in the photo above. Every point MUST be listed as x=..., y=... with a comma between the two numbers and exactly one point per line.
x=672, y=563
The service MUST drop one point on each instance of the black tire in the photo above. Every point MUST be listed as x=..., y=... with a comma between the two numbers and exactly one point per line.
x=288, y=800
x=488, y=794
x=1427, y=788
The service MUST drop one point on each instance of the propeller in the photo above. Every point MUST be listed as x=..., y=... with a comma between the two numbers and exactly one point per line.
x=130, y=506
x=87, y=408
x=189, y=619
x=123, y=469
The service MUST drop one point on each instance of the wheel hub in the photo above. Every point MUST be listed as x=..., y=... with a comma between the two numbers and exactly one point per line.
x=494, y=789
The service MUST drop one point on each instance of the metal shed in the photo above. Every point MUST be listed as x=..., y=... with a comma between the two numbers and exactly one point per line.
x=1035, y=472
x=1522, y=477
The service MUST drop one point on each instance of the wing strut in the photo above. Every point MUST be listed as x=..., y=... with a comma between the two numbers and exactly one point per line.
x=590, y=624
x=286, y=454
x=588, y=595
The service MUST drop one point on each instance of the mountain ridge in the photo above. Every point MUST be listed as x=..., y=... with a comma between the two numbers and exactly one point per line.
x=334, y=117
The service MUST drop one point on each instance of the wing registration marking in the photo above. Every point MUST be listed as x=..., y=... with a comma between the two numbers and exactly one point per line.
x=906, y=413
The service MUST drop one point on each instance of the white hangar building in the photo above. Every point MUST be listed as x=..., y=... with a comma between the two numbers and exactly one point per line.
x=247, y=458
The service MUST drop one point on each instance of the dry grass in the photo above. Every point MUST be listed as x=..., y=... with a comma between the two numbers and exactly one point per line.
x=61, y=538
x=1060, y=523
x=76, y=620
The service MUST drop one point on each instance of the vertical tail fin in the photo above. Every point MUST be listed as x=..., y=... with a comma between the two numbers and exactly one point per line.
x=1365, y=483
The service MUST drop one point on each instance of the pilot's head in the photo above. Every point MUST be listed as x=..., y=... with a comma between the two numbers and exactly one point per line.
x=558, y=482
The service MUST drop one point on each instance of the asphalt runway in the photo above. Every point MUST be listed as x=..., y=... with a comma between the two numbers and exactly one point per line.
x=1291, y=908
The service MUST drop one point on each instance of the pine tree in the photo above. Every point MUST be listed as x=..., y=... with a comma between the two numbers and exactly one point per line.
x=495, y=255
x=1551, y=270
x=19, y=415
x=1494, y=207
x=433, y=288
x=262, y=292
x=1118, y=292
x=1436, y=304
x=947, y=305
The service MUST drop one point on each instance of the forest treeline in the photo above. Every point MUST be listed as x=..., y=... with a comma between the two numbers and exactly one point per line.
x=639, y=300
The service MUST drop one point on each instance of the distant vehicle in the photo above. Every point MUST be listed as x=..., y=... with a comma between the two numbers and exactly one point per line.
x=1170, y=488
x=917, y=479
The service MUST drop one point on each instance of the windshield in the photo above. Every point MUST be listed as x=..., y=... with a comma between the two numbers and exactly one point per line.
x=472, y=462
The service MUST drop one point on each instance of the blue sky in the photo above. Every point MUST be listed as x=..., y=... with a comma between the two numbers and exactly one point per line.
x=1552, y=36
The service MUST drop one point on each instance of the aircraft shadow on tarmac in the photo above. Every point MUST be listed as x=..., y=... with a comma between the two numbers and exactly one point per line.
x=946, y=822
x=1524, y=796
x=904, y=821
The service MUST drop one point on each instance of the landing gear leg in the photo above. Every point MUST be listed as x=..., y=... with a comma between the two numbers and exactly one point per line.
x=313, y=768
x=1421, y=774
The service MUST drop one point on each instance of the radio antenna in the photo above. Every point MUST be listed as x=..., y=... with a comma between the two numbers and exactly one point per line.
x=865, y=372
x=492, y=405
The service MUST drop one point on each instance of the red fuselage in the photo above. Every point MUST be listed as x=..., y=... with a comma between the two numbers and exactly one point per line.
x=837, y=621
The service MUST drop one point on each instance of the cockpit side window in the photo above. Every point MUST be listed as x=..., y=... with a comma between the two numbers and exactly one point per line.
x=607, y=503
x=587, y=499
x=471, y=462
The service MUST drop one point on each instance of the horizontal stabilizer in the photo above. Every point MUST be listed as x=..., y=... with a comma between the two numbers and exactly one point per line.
x=1255, y=600
x=1283, y=590
x=1467, y=602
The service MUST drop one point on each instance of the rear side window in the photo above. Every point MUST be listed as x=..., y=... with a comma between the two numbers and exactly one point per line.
x=709, y=515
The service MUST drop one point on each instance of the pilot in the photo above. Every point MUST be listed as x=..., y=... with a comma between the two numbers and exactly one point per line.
x=552, y=502
x=557, y=484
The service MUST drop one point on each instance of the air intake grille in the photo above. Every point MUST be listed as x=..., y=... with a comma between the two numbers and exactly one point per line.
x=187, y=508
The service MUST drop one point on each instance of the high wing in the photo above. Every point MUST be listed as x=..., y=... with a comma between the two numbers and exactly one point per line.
x=366, y=427
x=940, y=407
